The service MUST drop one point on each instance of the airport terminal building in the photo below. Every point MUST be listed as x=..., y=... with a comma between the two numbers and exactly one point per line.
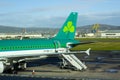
x=111, y=34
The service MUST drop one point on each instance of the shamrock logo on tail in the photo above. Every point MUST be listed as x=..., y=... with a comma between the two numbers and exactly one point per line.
x=69, y=27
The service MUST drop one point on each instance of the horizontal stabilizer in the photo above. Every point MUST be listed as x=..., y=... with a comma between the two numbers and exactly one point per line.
x=81, y=43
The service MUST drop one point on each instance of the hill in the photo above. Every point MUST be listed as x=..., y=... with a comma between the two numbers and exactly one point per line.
x=102, y=27
x=9, y=29
x=81, y=29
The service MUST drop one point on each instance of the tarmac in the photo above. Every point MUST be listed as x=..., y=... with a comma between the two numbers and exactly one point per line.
x=94, y=71
x=99, y=68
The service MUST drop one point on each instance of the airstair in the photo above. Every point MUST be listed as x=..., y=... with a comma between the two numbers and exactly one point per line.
x=74, y=61
x=70, y=59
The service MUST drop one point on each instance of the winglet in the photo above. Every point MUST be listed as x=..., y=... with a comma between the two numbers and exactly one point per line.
x=88, y=51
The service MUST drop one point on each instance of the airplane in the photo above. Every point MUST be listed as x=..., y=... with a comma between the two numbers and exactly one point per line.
x=15, y=53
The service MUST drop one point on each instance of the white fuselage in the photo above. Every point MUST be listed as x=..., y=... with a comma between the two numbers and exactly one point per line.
x=25, y=53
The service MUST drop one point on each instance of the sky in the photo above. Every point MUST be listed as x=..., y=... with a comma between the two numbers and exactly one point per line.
x=52, y=13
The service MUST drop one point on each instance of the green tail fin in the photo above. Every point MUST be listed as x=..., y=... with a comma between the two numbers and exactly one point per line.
x=69, y=27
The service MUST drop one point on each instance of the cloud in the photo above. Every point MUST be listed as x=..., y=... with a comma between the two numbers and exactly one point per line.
x=111, y=18
x=51, y=20
x=57, y=21
x=5, y=4
x=102, y=16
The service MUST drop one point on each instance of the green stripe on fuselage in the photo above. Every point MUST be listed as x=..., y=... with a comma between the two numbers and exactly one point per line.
x=32, y=44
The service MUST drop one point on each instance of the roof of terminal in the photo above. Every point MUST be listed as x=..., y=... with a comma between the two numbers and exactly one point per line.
x=112, y=31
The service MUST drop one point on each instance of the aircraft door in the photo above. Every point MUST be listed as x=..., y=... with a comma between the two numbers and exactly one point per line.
x=57, y=45
x=68, y=45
